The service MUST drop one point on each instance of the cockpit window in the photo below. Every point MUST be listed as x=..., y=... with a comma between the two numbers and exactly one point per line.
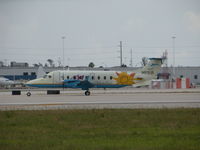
x=47, y=76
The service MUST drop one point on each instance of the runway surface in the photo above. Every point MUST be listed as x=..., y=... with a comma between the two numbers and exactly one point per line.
x=99, y=99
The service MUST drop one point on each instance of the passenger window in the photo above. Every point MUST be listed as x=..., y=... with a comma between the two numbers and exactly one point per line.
x=92, y=77
x=67, y=77
x=49, y=76
x=104, y=77
x=111, y=77
x=98, y=77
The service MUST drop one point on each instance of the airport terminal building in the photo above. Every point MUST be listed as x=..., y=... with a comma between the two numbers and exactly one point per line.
x=24, y=72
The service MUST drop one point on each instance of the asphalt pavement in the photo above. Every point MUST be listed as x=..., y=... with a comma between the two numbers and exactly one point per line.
x=101, y=99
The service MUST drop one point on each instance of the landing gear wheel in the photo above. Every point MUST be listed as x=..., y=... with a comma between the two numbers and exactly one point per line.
x=87, y=93
x=28, y=93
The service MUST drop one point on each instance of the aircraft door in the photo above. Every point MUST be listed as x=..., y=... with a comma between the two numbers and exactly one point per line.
x=56, y=77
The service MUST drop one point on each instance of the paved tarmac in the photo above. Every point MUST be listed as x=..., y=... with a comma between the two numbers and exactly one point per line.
x=100, y=99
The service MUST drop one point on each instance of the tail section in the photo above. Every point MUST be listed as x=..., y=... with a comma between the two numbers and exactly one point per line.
x=153, y=67
x=144, y=76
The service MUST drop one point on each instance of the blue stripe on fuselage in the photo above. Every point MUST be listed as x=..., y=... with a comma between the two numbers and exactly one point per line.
x=65, y=86
x=45, y=85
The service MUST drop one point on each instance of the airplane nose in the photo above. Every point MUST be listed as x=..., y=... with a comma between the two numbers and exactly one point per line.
x=33, y=82
x=29, y=83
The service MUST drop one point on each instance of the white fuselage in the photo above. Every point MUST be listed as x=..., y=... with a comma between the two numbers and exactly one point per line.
x=98, y=79
x=102, y=79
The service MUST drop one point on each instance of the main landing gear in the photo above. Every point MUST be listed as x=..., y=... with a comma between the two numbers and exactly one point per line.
x=87, y=93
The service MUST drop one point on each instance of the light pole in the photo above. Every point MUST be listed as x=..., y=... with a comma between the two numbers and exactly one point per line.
x=131, y=60
x=63, y=46
x=120, y=53
x=68, y=59
x=173, y=44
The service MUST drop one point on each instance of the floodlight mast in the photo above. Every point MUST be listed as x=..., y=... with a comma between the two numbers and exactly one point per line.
x=63, y=46
x=173, y=45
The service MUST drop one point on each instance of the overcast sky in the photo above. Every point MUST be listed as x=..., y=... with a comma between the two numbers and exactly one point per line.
x=31, y=30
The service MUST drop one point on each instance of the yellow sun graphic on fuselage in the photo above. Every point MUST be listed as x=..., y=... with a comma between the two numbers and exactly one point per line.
x=125, y=79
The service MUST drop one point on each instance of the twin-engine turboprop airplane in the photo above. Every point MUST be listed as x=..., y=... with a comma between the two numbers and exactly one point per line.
x=98, y=79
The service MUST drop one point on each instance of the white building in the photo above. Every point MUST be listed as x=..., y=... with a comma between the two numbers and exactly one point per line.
x=29, y=73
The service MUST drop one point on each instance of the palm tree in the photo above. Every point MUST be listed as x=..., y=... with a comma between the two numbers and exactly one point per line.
x=50, y=61
x=91, y=65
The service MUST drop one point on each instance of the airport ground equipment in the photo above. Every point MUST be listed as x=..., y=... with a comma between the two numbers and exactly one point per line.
x=16, y=92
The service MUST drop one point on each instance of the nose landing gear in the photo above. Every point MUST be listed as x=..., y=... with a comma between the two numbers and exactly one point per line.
x=28, y=93
x=87, y=93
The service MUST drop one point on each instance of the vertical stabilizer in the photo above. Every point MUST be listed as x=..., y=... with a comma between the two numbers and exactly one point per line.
x=144, y=75
x=152, y=67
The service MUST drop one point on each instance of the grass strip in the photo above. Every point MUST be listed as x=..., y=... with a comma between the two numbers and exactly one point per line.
x=101, y=129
